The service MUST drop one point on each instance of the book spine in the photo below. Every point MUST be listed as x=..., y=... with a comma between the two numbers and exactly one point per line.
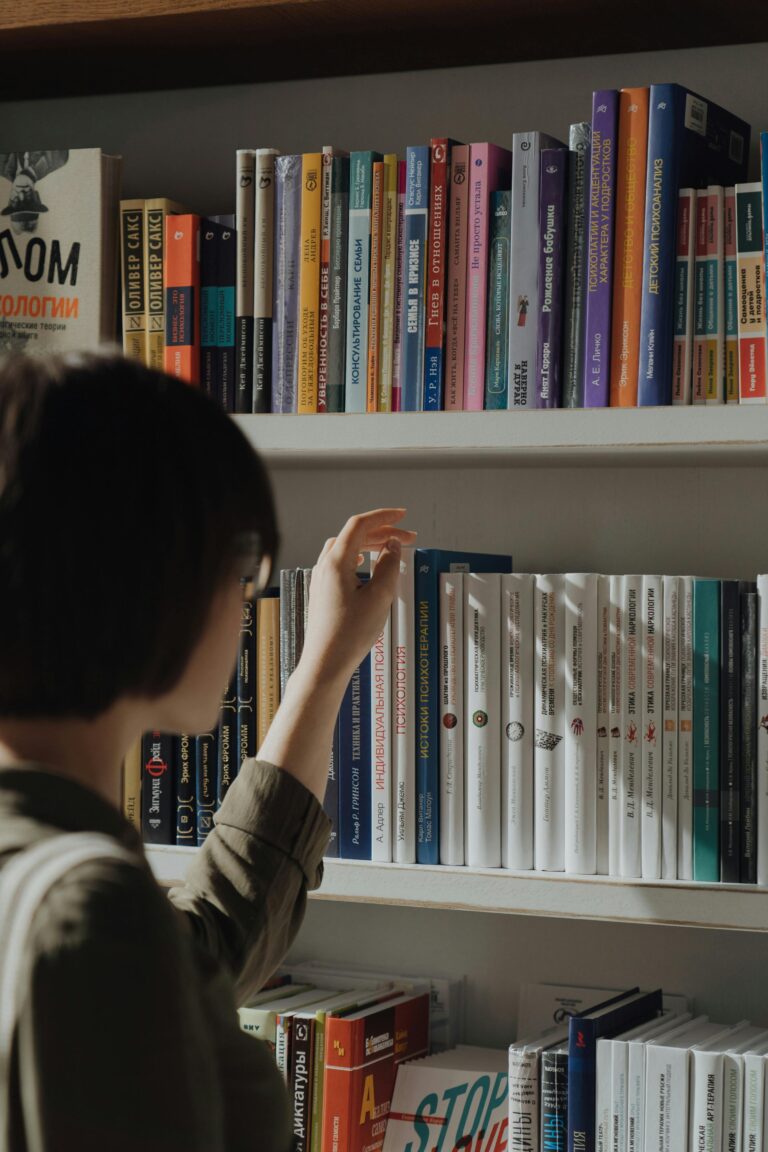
x=451, y=811
x=267, y=663
x=554, y=1101
x=225, y=310
x=733, y=1101
x=206, y=762
x=209, y=279
x=132, y=247
x=154, y=290
x=456, y=273
x=427, y=764
x=182, y=297
x=629, y=782
x=358, y=274
x=184, y=765
x=632, y=154
x=617, y=1095
x=731, y=292
x=730, y=738
x=381, y=741
x=331, y=796
x=549, y=716
x=374, y=300
x=246, y=684
x=706, y=1089
x=670, y=676
x=309, y=282
x=517, y=595
x=579, y=147
x=600, y=218
x=603, y=1127
x=615, y=722
x=439, y=183
x=414, y=278
x=667, y=1097
x=750, y=258
x=263, y=278
x=300, y=1081
x=326, y=181
x=228, y=765
x=684, y=315
x=661, y=200
x=524, y=1100
x=390, y=243
x=685, y=736
x=754, y=1097
x=524, y=269
x=339, y=252
x=715, y=309
x=700, y=299
x=580, y=751
x=404, y=713
x=706, y=737
x=355, y=766
x=245, y=208
x=482, y=599
x=748, y=778
x=286, y=282
x=762, y=732
x=157, y=777
x=397, y=333
x=602, y=734
x=132, y=785
x=477, y=277
x=552, y=185
x=497, y=342
x=652, y=640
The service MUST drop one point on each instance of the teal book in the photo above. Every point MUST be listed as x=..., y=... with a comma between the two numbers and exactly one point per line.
x=706, y=730
x=497, y=331
x=358, y=278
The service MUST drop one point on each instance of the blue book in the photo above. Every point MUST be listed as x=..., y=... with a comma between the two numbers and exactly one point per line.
x=246, y=684
x=355, y=766
x=414, y=277
x=331, y=798
x=429, y=563
x=691, y=143
x=186, y=815
x=206, y=767
x=615, y=1017
x=764, y=181
x=706, y=730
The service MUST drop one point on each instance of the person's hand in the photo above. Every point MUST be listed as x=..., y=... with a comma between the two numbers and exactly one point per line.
x=345, y=617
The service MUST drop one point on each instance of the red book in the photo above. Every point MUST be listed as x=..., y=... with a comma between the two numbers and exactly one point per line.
x=182, y=297
x=362, y=1053
x=434, y=359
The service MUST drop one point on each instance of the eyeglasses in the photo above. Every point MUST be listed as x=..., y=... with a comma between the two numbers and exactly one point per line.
x=255, y=565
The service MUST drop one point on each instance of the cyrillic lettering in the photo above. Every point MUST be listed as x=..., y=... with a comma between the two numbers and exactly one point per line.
x=63, y=270
x=21, y=306
x=70, y=311
x=36, y=245
x=6, y=237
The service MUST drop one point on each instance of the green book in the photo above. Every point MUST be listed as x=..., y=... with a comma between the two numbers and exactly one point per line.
x=706, y=730
x=497, y=333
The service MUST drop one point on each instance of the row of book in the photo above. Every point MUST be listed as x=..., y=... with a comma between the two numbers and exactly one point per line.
x=626, y=267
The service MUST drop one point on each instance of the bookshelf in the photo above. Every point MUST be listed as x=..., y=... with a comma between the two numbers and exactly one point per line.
x=654, y=490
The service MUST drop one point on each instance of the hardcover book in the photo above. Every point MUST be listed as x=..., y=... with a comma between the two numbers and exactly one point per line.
x=337, y=321
x=482, y=602
x=580, y=752
x=158, y=814
x=182, y=297
x=206, y=768
x=750, y=257
x=155, y=212
x=652, y=642
x=684, y=316
x=731, y=291
x=397, y=327
x=245, y=212
x=517, y=705
x=132, y=253
x=263, y=276
x=549, y=724
x=451, y=757
x=389, y=252
x=374, y=294
x=186, y=816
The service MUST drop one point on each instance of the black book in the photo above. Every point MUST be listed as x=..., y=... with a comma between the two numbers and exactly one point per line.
x=226, y=242
x=554, y=1100
x=337, y=287
x=730, y=731
x=748, y=774
x=158, y=814
x=206, y=770
x=209, y=279
x=186, y=815
x=246, y=207
x=227, y=759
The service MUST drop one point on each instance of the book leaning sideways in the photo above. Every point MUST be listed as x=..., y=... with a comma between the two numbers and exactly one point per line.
x=59, y=249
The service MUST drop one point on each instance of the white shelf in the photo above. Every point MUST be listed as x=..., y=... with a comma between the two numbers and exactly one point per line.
x=724, y=435
x=682, y=904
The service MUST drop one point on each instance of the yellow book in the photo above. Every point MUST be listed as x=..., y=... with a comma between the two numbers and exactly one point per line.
x=374, y=309
x=132, y=280
x=309, y=281
x=132, y=786
x=267, y=663
x=389, y=242
x=155, y=212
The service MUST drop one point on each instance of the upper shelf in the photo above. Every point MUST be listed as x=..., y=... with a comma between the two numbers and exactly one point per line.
x=675, y=437
x=90, y=46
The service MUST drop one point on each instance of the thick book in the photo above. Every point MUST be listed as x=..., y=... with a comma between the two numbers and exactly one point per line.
x=730, y=730
x=497, y=334
x=692, y=143
x=245, y=211
x=206, y=768
x=685, y=735
x=750, y=260
x=748, y=730
x=552, y=187
x=549, y=724
x=132, y=257
x=184, y=790
x=451, y=753
x=580, y=751
x=246, y=683
x=631, y=155
x=670, y=737
x=651, y=778
x=337, y=320
x=684, y=298
x=358, y=277
x=413, y=332
x=731, y=294
x=667, y=1078
x=155, y=212
x=482, y=601
x=158, y=816
x=441, y=150
x=389, y=252
x=404, y=663
x=263, y=275
x=182, y=297
x=285, y=286
x=706, y=730
x=517, y=738
x=456, y=280
x=574, y=275
x=355, y=766
x=228, y=763
x=374, y=291
x=629, y=781
x=309, y=283
x=601, y=207
x=397, y=330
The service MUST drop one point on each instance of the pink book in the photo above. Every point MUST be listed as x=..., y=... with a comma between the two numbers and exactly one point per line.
x=490, y=169
x=456, y=281
x=397, y=391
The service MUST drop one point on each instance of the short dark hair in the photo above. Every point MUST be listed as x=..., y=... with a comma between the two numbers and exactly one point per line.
x=123, y=492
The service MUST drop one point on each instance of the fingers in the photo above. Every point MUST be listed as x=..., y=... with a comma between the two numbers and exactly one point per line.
x=358, y=529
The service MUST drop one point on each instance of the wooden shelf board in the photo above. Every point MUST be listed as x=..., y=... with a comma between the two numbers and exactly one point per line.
x=679, y=904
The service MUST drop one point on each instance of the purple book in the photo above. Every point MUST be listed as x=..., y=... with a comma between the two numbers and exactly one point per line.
x=600, y=213
x=285, y=310
x=552, y=188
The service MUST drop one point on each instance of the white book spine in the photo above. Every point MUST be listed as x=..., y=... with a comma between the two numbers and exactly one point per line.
x=381, y=746
x=630, y=779
x=671, y=673
x=652, y=698
x=358, y=280
x=603, y=1095
x=524, y=269
x=451, y=718
x=403, y=715
x=517, y=720
x=706, y=1088
x=685, y=735
x=733, y=1101
x=754, y=1097
x=580, y=722
x=264, y=232
x=523, y=1100
x=549, y=716
x=603, y=709
x=666, y=1099
x=615, y=722
x=482, y=610
x=762, y=731
x=618, y=1141
x=635, y=1095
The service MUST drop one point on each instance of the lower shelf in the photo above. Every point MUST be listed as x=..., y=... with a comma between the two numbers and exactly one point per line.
x=679, y=903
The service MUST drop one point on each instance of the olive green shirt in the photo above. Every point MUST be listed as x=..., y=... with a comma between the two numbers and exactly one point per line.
x=128, y=1039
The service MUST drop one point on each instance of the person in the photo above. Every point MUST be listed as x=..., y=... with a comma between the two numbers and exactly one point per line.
x=133, y=514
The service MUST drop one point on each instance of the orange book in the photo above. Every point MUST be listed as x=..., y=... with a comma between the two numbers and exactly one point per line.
x=182, y=297
x=374, y=311
x=309, y=282
x=631, y=156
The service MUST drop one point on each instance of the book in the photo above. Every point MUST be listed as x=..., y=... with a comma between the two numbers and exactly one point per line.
x=615, y=722
x=630, y=779
x=554, y=1099
x=184, y=791
x=700, y=298
x=731, y=293
x=603, y=732
x=158, y=816
x=456, y=279
x=730, y=730
x=524, y=1077
x=381, y=745
x=326, y=181
x=441, y=149
x=497, y=342
x=403, y=713
x=579, y=147
x=374, y=300
x=714, y=383
x=748, y=729
x=155, y=212
x=761, y=824
x=451, y=752
x=580, y=745
x=263, y=277
x=552, y=186
x=132, y=785
x=267, y=660
x=706, y=730
x=228, y=763
x=355, y=766
x=397, y=328
x=683, y=302
x=666, y=1119
x=413, y=330
x=337, y=322
x=685, y=735
x=549, y=724
x=754, y=1098
x=358, y=277
x=750, y=262
x=651, y=690
x=482, y=775
x=132, y=254
x=670, y=1024
x=226, y=237
x=631, y=156
x=309, y=283
x=670, y=691
x=245, y=214
x=601, y=207
x=517, y=704
x=209, y=276
x=182, y=297
x=706, y=1084
x=245, y=739
x=390, y=244
x=285, y=286
x=206, y=768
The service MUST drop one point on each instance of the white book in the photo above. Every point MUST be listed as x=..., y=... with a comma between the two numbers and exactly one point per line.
x=733, y=1087
x=482, y=689
x=706, y=1089
x=603, y=718
x=517, y=593
x=381, y=745
x=358, y=281
x=611, y=1084
x=404, y=716
x=685, y=734
x=668, y=1025
x=670, y=677
x=762, y=730
x=524, y=1088
x=666, y=1086
x=549, y=723
x=755, y=1065
x=630, y=779
x=451, y=609
x=580, y=722
x=615, y=721
x=652, y=697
